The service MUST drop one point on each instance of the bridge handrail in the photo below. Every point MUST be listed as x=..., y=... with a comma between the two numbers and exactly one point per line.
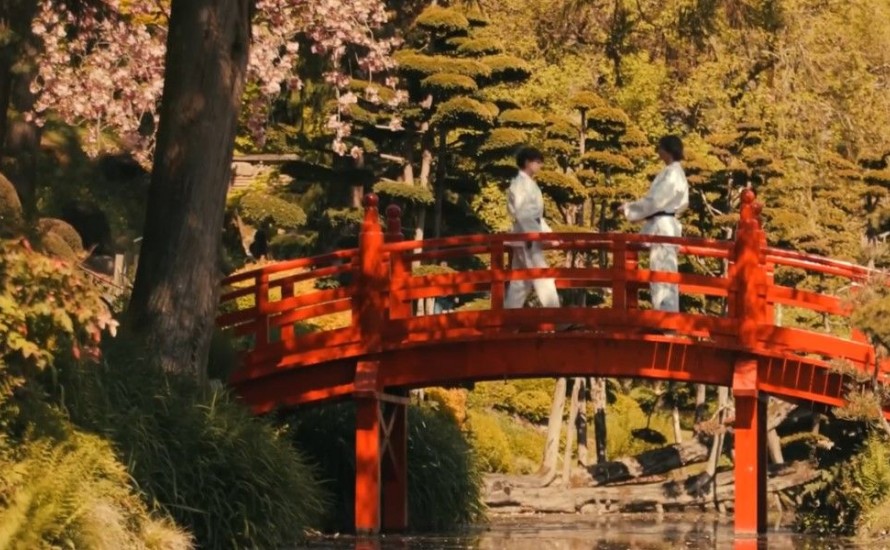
x=383, y=290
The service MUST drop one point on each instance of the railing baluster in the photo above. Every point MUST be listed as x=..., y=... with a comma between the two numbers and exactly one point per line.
x=399, y=265
x=261, y=301
x=619, y=274
x=497, y=276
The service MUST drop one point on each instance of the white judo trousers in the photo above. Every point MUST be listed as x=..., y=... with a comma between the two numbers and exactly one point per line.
x=667, y=198
x=525, y=204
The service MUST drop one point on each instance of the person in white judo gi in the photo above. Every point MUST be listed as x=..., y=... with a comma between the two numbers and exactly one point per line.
x=667, y=198
x=525, y=204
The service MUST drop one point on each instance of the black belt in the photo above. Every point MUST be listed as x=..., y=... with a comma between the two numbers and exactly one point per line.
x=659, y=214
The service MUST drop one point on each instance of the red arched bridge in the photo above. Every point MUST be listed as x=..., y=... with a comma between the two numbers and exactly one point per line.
x=369, y=345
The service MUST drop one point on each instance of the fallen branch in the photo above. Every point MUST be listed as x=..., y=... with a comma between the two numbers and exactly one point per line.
x=513, y=495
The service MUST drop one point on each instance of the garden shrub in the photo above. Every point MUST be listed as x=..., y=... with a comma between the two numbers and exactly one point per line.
x=444, y=482
x=64, y=230
x=490, y=443
x=623, y=417
x=452, y=401
x=11, y=217
x=234, y=480
x=533, y=405
x=852, y=497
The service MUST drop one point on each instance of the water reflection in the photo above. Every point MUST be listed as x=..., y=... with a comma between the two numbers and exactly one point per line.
x=585, y=533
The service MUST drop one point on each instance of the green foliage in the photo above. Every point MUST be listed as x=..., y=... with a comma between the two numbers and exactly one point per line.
x=398, y=191
x=562, y=187
x=11, y=216
x=290, y=246
x=462, y=111
x=506, y=68
x=533, y=405
x=477, y=47
x=446, y=84
x=489, y=442
x=437, y=19
x=68, y=490
x=259, y=208
x=418, y=65
x=503, y=141
x=444, y=482
x=587, y=101
x=521, y=118
x=233, y=479
x=623, y=417
x=851, y=497
x=48, y=311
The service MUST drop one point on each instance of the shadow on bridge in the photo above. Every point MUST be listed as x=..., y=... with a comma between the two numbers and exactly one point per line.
x=374, y=347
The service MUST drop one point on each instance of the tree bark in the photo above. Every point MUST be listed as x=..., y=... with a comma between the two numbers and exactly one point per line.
x=502, y=493
x=581, y=424
x=175, y=294
x=570, y=432
x=598, y=396
x=675, y=417
x=554, y=427
x=717, y=443
x=440, y=181
x=654, y=462
x=701, y=404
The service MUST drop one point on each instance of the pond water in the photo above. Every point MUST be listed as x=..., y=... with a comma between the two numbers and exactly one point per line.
x=614, y=532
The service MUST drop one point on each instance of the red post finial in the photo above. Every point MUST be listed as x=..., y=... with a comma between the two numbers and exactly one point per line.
x=393, y=223
x=371, y=221
x=749, y=216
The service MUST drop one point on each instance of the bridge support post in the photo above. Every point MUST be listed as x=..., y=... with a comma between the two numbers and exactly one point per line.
x=395, y=464
x=750, y=461
x=367, y=465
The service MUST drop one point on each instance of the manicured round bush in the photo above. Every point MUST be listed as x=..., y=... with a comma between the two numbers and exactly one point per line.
x=562, y=129
x=608, y=161
x=462, y=112
x=259, y=208
x=437, y=19
x=563, y=186
x=418, y=65
x=586, y=101
x=64, y=230
x=446, y=84
x=521, y=118
x=399, y=191
x=478, y=47
x=503, y=141
x=491, y=394
x=10, y=209
x=607, y=120
x=506, y=68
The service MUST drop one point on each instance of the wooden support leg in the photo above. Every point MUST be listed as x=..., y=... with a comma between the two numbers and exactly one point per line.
x=367, y=465
x=395, y=467
x=750, y=465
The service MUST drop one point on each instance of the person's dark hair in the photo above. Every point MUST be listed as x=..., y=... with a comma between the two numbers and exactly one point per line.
x=526, y=155
x=672, y=145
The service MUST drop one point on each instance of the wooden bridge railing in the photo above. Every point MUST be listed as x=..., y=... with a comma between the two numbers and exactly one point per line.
x=368, y=305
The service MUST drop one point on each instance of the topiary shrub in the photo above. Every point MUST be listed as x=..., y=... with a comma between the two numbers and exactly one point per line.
x=506, y=68
x=259, y=208
x=608, y=161
x=492, y=449
x=233, y=479
x=396, y=190
x=491, y=394
x=521, y=118
x=289, y=246
x=55, y=245
x=477, y=47
x=444, y=482
x=11, y=216
x=462, y=112
x=446, y=84
x=623, y=418
x=437, y=19
x=418, y=65
x=64, y=230
x=503, y=141
x=586, y=101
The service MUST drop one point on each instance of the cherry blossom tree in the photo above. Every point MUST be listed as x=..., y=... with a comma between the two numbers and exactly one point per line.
x=102, y=63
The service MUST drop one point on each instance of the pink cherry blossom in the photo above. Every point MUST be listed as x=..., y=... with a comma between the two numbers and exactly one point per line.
x=103, y=68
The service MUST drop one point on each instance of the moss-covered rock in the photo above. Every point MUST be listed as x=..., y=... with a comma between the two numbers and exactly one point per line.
x=462, y=112
x=55, y=245
x=521, y=118
x=11, y=217
x=437, y=19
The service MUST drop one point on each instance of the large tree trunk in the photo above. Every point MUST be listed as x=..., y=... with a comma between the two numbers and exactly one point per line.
x=581, y=424
x=717, y=443
x=701, y=405
x=510, y=494
x=175, y=295
x=22, y=143
x=598, y=396
x=554, y=427
x=440, y=181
